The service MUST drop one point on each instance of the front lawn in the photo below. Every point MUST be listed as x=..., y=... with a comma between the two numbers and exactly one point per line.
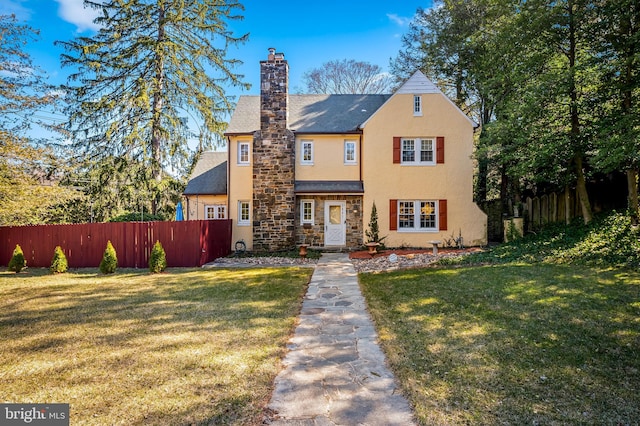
x=512, y=344
x=183, y=347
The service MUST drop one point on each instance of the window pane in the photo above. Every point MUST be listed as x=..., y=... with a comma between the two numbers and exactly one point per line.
x=306, y=211
x=306, y=152
x=350, y=152
x=426, y=150
x=427, y=214
x=244, y=211
x=417, y=104
x=335, y=215
x=243, y=153
x=408, y=150
x=406, y=214
x=210, y=212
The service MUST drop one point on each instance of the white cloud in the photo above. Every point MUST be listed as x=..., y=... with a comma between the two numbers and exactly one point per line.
x=73, y=11
x=399, y=20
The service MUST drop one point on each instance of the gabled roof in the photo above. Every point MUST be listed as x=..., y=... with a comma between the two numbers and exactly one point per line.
x=209, y=176
x=419, y=84
x=310, y=113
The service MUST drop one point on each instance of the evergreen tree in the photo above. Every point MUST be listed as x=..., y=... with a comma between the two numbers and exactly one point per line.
x=109, y=262
x=373, y=233
x=24, y=163
x=17, y=262
x=158, y=258
x=152, y=66
x=59, y=263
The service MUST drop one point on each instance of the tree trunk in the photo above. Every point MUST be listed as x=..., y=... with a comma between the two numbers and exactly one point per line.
x=156, y=132
x=581, y=187
x=632, y=185
x=574, y=135
x=567, y=205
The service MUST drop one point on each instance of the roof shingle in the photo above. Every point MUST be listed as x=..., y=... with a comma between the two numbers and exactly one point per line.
x=209, y=176
x=311, y=113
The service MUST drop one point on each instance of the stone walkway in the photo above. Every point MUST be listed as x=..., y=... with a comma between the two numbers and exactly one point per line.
x=335, y=372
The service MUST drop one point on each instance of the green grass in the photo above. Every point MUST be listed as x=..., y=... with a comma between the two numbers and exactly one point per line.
x=183, y=347
x=514, y=343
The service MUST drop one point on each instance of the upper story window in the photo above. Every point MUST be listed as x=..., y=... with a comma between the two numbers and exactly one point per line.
x=350, y=152
x=218, y=211
x=418, y=151
x=243, y=152
x=307, y=152
x=417, y=105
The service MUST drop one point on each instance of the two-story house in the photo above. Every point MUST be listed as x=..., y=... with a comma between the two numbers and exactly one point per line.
x=307, y=169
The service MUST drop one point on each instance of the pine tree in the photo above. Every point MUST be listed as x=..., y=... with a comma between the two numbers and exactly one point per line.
x=153, y=66
x=59, y=263
x=23, y=91
x=17, y=262
x=109, y=262
x=158, y=258
x=373, y=233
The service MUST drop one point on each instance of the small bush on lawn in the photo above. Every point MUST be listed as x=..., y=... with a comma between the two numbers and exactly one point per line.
x=17, y=262
x=158, y=259
x=59, y=263
x=109, y=261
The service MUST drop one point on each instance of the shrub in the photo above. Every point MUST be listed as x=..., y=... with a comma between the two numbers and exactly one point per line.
x=109, y=261
x=158, y=259
x=137, y=217
x=17, y=262
x=373, y=233
x=59, y=263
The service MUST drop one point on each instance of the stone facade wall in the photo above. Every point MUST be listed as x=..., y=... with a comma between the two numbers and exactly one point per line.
x=273, y=162
x=314, y=234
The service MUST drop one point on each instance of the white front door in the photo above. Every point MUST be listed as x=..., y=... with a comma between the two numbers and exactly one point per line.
x=335, y=228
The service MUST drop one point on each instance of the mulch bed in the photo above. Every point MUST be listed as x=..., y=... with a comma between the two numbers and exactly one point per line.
x=364, y=254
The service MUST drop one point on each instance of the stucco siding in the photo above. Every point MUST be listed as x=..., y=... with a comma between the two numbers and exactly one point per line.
x=327, y=158
x=385, y=180
x=196, y=205
x=240, y=189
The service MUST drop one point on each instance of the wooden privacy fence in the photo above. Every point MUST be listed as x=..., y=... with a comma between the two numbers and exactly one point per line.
x=550, y=208
x=186, y=243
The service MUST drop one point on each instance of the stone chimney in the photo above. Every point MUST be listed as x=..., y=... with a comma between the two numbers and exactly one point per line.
x=273, y=160
x=274, y=92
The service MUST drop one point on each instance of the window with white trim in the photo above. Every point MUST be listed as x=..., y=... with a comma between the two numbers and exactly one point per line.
x=306, y=156
x=306, y=211
x=243, y=152
x=417, y=215
x=417, y=105
x=216, y=211
x=418, y=151
x=244, y=210
x=350, y=152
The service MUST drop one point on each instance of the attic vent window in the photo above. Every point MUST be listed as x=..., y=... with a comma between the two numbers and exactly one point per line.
x=417, y=105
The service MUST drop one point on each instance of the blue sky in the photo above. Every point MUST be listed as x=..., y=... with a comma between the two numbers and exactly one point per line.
x=309, y=33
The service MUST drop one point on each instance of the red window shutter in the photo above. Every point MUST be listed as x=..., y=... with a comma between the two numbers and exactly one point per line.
x=440, y=150
x=442, y=214
x=393, y=215
x=396, y=150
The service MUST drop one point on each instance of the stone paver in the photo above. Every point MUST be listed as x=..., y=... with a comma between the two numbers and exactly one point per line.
x=335, y=372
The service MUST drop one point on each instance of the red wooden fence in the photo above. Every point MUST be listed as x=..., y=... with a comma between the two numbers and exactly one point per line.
x=186, y=243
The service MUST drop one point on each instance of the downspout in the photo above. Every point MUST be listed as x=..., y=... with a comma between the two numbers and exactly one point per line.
x=228, y=177
x=360, y=155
